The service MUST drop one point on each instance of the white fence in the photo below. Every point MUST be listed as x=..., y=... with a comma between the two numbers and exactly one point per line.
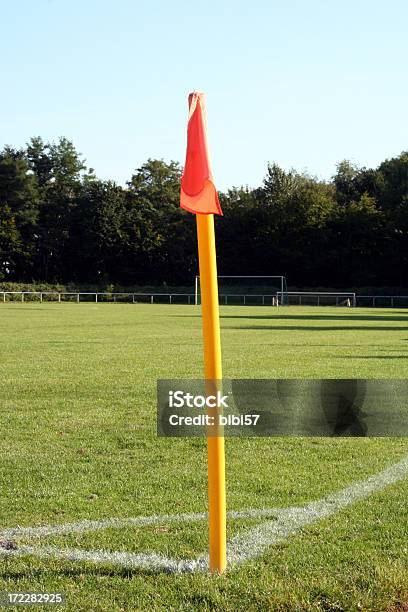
x=134, y=298
x=316, y=298
x=97, y=297
x=382, y=301
x=372, y=301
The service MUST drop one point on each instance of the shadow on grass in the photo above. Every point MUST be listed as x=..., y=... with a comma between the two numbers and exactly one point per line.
x=368, y=356
x=22, y=307
x=402, y=316
x=321, y=317
x=84, y=570
x=317, y=328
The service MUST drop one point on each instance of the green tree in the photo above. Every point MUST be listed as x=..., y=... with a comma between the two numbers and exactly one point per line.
x=358, y=242
x=10, y=242
x=393, y=182
x=40, y=161
x=289, y=224
x=346, y=182
x=161, y=243
x=59, y=194
x=19, y=200
x=98, y=238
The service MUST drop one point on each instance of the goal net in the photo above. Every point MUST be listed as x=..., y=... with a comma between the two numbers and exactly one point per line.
x=246, y=290
x=316, y=298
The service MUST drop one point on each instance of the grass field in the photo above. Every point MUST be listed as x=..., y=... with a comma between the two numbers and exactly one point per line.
x=78, y=442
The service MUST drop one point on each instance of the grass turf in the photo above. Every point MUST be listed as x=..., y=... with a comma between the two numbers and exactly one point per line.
x=78, y=442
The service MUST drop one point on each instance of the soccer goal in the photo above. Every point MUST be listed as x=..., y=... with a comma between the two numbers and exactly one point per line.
x=316, y=298
x=246, y=290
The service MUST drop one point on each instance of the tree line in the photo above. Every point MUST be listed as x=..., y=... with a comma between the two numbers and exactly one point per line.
x=60, y=223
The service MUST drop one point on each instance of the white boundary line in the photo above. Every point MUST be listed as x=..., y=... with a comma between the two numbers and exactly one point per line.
x=117, y=523
x=242, y=548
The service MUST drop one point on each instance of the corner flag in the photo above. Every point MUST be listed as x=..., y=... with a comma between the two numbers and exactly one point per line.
x=198, y=195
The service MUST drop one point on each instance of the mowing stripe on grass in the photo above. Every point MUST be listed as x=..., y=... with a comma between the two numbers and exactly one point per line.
x=243, y=547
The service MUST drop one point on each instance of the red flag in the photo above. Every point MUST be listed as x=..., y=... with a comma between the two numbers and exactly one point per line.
x=198, y=192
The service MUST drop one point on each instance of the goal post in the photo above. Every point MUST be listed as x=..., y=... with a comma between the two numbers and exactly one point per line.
x=266, y=288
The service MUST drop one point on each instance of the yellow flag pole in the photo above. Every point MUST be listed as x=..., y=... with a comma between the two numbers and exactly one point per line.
x=213, y=371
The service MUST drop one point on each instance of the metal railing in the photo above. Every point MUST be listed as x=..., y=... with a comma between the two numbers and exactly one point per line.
x=114, y=297
x=382, y=301
x=372, y=301
x=96, y=297
x=317, y=298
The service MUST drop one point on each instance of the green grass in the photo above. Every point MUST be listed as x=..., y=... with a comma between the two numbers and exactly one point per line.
x=78, y=442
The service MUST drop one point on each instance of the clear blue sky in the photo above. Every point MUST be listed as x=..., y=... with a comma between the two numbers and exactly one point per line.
x=303, y=83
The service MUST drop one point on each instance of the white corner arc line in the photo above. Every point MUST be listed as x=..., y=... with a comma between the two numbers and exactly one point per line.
x=256, y=541
x=241, y=548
